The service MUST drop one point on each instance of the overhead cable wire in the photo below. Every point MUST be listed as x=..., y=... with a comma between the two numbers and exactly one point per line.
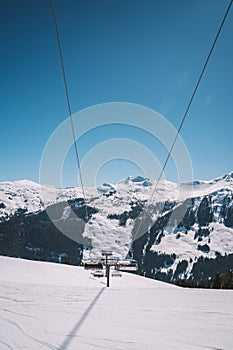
x=187, y=110
x=69, y=104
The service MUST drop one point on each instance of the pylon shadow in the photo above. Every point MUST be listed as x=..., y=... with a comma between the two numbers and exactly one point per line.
x=76, y=328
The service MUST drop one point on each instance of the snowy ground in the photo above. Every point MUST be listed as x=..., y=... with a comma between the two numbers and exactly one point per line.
x=51, y=306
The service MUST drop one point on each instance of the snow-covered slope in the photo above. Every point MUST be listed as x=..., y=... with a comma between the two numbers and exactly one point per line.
x=51, y=306
x=32, y=197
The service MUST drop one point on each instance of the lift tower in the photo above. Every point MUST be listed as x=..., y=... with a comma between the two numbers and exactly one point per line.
x=107, y=254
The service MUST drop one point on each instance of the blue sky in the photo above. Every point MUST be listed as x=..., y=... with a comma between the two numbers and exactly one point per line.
x=148, y=52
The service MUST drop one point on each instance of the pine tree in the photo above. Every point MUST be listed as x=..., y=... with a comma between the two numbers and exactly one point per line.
x=227, y=280
x=216, y=281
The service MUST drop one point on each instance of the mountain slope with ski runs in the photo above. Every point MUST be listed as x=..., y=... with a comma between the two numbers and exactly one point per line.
x=186, y=230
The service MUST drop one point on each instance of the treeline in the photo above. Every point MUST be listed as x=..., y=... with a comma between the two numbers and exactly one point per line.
x=219, y=281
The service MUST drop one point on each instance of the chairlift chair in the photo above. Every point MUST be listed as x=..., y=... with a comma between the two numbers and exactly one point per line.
x=128, y=265
x=92, y=265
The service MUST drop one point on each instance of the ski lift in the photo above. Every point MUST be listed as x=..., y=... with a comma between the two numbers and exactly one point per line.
x=98, y=273
x=92, y=265
x=116, y=273
x=113, y=261
x=128, y=265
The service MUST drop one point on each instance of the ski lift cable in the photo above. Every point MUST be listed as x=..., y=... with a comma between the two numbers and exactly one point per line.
x=187, y=110
x=68, y=104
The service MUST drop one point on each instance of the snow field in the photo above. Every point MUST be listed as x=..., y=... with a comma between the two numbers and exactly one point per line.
x=52, y=306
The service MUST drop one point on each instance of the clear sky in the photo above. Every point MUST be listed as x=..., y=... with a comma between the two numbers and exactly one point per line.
x=148, y=52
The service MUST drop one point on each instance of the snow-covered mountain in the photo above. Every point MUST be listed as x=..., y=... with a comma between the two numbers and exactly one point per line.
x=52, y=306
x=188, y=228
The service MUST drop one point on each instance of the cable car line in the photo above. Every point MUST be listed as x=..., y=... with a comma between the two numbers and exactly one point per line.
x=68, y=104
x=186, y=112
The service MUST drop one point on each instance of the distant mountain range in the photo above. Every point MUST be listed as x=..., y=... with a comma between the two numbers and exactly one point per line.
x=187, y=228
